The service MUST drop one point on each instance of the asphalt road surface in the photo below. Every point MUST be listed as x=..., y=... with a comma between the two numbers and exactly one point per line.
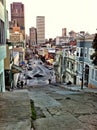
x=37, y=73
x=63, y=109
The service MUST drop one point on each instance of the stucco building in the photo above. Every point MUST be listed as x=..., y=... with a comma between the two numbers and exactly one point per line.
x=86, y=71
x=3, y=33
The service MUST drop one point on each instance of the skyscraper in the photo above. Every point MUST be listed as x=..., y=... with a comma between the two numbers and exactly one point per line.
x=17, y=16
x=64, y=32
x=33, y=36
x=40, y=26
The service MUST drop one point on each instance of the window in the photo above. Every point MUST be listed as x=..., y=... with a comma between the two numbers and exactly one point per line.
x=91, y=51
x=85, y=52
x=77, y=49
x=81, y=52
x=2, y=37
x=67, y=64
x=72, y=66
x=96, y=75
x=80, y=67
x=92, y=76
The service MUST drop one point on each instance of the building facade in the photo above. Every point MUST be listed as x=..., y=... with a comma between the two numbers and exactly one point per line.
x=64, y=32
x=58, y=66
x=3, y=34
x=18, y=16
x=8, y=61
x=64, y=41
x=86, y=71
x=18, y=45
x=33, y=36
x=70, y=66
x=40, y=25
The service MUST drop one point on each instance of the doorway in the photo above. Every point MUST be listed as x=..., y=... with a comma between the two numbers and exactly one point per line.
x=86, y=75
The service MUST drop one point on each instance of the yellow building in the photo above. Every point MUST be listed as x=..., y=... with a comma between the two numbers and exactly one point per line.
x=12, y=58
x=16, y=39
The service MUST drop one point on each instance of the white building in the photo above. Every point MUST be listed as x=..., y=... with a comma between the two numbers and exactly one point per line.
x=40, y=26
x=62, y=40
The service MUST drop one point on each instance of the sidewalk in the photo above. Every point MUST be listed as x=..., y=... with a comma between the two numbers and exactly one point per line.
x=78, y=88
x=15, y=111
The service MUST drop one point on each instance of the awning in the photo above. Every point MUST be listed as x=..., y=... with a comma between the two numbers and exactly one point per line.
x=16, y=69
x=22, y=63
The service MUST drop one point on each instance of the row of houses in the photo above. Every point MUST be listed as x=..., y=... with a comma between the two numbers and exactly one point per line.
x=74, y=63
x=12, y=51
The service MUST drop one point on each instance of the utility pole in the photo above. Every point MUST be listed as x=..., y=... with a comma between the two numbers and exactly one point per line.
x=82, y=75
x=82, y=34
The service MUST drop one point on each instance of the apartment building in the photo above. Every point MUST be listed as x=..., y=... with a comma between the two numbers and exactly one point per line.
x=64, y=41
x=18, y=45
x=70, y=66
x=3, y=34
x=86, y=71
x=18, y=16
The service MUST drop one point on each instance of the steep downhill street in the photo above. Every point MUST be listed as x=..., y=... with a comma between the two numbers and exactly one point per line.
x=55, y=106
x=48, y=67
x=64, y=109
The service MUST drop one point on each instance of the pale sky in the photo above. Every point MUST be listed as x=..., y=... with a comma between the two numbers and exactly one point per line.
x=77, y=15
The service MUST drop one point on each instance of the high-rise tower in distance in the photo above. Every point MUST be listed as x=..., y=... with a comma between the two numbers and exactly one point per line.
x=40, y=26
x=64, y=32
x=17, y=16
x=33, y=36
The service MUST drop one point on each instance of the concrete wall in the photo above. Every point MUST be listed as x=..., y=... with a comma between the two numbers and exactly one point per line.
x=7, y=59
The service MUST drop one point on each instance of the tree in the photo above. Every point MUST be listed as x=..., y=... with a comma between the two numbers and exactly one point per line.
x=94, y=55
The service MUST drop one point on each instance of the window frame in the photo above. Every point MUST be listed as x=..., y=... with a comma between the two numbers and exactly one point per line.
x=2, y=33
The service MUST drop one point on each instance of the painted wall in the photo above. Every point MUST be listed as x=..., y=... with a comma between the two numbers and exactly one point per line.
x=2, y=78
x=85, y=60
x=2, y=47
x=7, y=59
x=2, y=12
